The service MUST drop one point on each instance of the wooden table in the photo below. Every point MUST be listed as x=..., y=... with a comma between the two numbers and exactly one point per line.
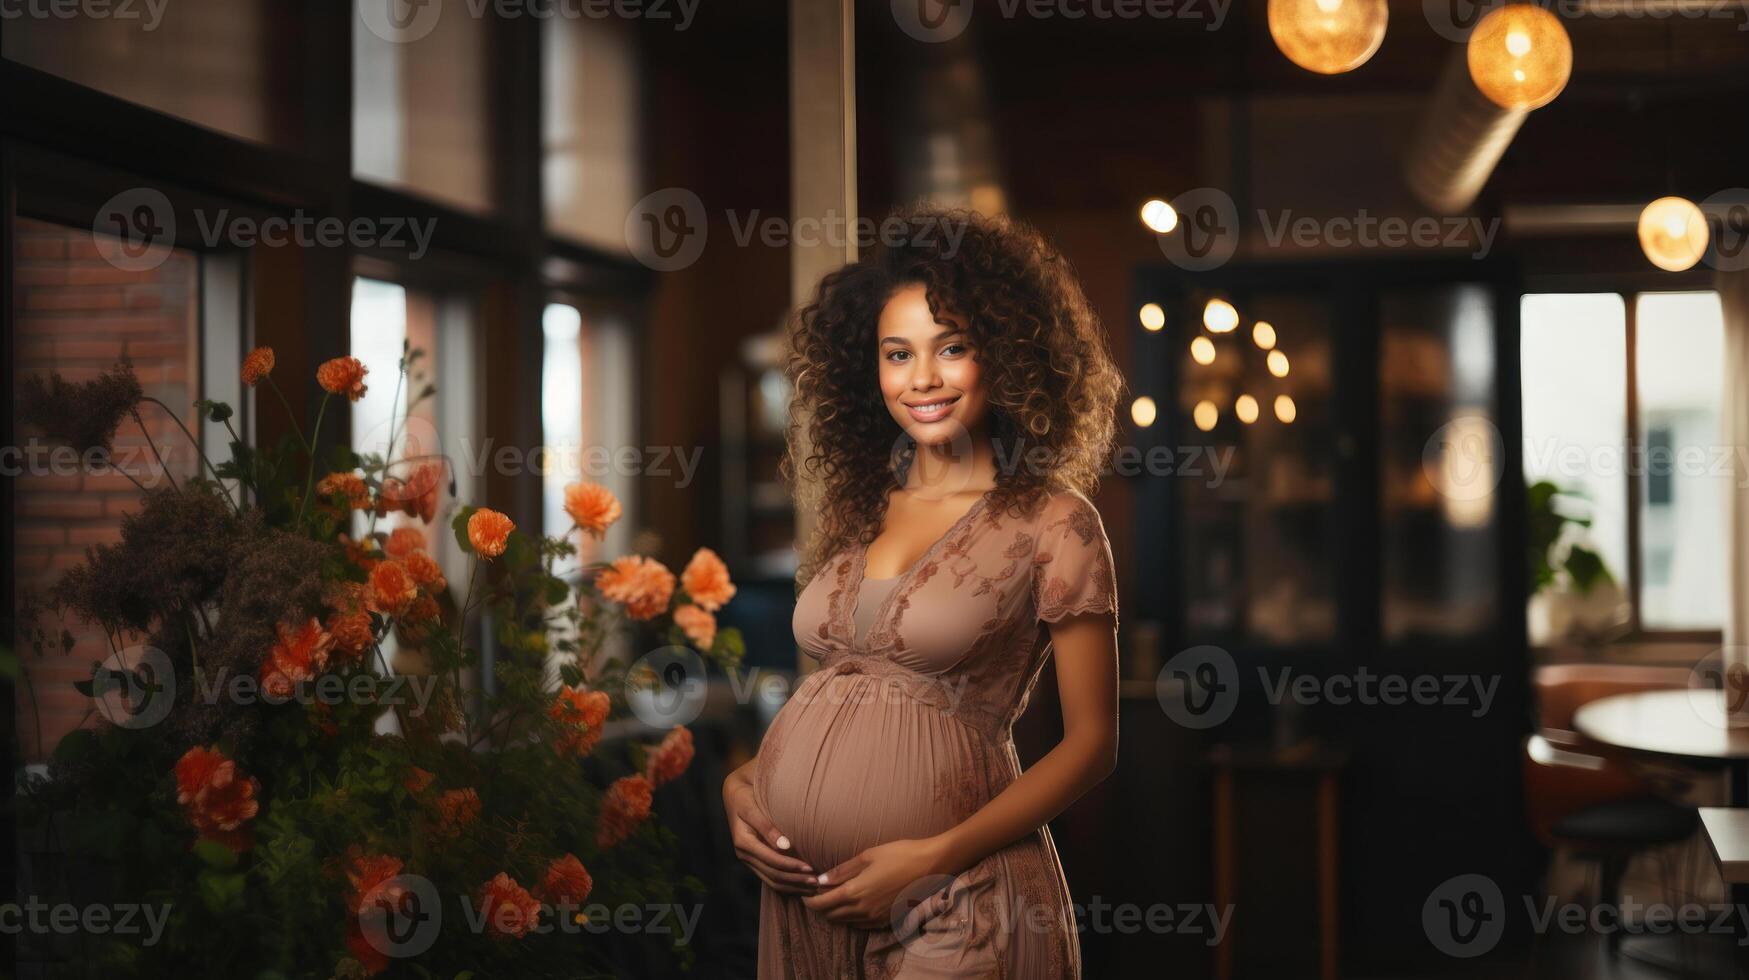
x=1685, y=726
x=1679, y=726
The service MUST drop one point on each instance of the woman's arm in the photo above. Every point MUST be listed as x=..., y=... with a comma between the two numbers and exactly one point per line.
x=867, y=885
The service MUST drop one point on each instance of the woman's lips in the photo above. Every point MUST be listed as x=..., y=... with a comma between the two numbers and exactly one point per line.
x=933, y=410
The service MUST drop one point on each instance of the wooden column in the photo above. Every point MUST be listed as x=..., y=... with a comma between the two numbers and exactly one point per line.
x=822, y=101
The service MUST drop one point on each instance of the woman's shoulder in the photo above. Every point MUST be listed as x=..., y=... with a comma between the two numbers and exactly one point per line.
x=1058, y=504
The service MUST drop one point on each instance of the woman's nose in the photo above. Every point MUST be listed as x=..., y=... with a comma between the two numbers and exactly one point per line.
x=924, y=376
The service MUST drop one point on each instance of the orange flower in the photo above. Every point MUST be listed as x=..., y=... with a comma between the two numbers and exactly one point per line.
x=392, y=589
x=415, y=496
x=626, y=806
x=641, y=584
x=348, y=485
x=417, y=781
x=298, y=656
x=403, y=541
x=362, y=553
x=421, y=616
x=426, y=571
x=343, y=376
x=706, y=580
x=567, y=882
x=592, y=506
x=671, y=757
x=584, y=712
x=507, y=908
x=376, y=888
x=217, y=796
x=699, y=626
x=489, y=531
x=457, y=808
x=199, y=768
x=352, y=633
x=372, y=879
x=258, y=365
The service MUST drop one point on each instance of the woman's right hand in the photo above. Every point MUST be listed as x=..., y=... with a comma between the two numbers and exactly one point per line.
x=758, y=843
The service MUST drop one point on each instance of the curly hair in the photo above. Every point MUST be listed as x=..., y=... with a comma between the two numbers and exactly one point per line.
x=1053, y=388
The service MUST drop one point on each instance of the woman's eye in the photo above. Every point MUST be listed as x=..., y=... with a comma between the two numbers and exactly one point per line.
x=898, y=356
x=953, y=350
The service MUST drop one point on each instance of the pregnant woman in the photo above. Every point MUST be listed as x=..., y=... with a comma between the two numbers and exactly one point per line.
x=956, y=397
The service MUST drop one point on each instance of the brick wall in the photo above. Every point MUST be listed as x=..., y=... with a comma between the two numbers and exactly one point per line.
x=77, y=314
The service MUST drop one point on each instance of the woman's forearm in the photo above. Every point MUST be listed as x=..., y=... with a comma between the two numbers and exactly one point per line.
x=1064, y=775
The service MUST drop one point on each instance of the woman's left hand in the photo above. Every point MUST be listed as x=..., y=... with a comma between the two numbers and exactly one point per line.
x=861, y=891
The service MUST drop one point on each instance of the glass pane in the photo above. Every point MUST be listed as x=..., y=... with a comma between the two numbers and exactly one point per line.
x=1259, y=527
x=1439, y=462
x=420, y=87
x=591, y=152
x=586, y=404
x=1687, y=467
x=77, y=315
x=1573, y=355
x=220, y=63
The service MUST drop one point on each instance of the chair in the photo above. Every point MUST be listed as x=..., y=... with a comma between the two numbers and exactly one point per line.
x=1581, y=801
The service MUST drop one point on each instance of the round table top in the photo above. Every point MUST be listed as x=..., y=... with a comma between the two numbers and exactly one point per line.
x=1683, y=724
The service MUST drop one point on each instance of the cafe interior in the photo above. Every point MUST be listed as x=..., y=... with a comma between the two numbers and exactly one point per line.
x=1429, y=508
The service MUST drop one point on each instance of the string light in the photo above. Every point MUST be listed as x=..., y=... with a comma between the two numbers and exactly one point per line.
x=1520, y=56
x=1246, y=408
x=1143, y=411
x=1264, y=334
x=1159, y=216
x=1219, y=316
x=1673, y=233
x=1285, y=409
x=1202, y=350
x=1153, y=317
x=1205, y=415
x=1328, y=36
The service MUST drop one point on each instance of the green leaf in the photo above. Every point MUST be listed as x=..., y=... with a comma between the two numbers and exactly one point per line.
x=216, y=855
x=460, y=526
x=221, y=893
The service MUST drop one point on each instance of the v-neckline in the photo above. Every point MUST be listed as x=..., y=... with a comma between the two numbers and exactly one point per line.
x=859, y=575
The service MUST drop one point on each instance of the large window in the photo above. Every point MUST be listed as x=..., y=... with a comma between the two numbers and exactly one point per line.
x=586, y=424
x=1622, y=409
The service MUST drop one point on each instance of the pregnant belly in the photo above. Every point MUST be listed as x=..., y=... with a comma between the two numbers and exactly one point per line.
x=851, y=762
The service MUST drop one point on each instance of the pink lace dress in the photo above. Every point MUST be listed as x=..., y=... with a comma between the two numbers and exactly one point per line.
x=905, y=731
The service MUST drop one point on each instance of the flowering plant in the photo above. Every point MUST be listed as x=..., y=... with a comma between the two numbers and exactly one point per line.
x=310, y=764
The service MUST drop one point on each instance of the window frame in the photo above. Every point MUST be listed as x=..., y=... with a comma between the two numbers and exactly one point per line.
x=1629, y=289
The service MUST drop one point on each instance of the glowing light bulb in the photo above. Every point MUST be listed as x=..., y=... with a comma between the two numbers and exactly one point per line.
x=1328, y=36
x=1219, y=316
x=1278, y=363
x=1202, y=350
x=1246, y=408
x=1673, y=233
x=1285, y=409
x=1153, y=317
x=1143, y=411
x=1159, y=216
x=1264, y=334
x=1520, y=56
x=1205, y=415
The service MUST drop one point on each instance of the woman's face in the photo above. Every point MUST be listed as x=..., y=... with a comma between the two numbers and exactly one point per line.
x=929, y=372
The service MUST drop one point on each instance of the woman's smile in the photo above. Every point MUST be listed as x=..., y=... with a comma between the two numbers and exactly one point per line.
x=933, y=410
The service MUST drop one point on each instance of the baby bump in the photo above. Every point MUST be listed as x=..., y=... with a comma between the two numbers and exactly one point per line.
x=851, y=762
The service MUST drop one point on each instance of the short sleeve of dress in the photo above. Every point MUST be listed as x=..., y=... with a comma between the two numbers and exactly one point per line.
x=1072, y=571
